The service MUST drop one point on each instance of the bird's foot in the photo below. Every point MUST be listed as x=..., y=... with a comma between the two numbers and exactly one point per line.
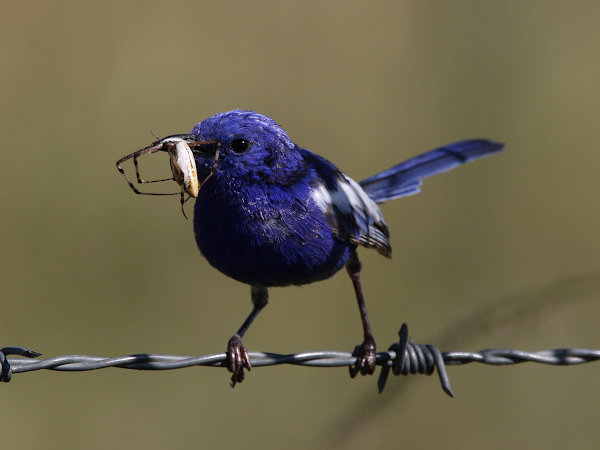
x=365, y=358
x=237, y=359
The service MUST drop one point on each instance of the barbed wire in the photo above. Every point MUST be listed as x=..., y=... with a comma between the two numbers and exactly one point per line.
x=402, y=358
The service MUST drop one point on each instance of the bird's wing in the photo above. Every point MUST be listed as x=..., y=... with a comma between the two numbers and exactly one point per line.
x=352, y=215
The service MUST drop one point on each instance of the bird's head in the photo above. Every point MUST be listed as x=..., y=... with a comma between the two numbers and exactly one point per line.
x=246, y=146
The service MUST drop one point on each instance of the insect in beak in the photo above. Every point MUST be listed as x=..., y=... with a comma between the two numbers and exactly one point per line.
x=183, y=168
x=183, y=165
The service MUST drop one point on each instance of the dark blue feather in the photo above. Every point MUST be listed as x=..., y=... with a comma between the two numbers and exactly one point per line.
x=406, y=178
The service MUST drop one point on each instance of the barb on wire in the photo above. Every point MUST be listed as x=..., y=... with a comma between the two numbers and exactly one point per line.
x=5, y=367
x=402, y=358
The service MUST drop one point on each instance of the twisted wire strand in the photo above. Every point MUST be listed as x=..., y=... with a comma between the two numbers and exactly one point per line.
x=402, y=358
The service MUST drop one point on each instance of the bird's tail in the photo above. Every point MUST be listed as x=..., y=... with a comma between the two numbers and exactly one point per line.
x=406, y=178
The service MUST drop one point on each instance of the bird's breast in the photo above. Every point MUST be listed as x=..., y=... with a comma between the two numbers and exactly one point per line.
x=264, y=235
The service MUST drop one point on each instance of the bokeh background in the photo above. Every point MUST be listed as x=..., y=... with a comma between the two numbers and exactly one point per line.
x=503, y=252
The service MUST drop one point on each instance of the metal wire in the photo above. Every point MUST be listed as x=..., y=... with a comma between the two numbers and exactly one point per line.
x=402, y=358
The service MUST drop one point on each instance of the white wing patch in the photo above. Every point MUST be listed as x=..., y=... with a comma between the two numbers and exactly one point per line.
x=352, y=214
x=321, y=196
x=359, y=199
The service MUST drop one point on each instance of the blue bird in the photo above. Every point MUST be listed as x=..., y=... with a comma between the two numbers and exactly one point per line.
x=271, y=213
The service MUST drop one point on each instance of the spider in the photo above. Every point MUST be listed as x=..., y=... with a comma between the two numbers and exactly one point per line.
x=183, y=165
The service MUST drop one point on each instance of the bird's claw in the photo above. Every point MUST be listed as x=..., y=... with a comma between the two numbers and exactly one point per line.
x=237, y=359
x=365, y=359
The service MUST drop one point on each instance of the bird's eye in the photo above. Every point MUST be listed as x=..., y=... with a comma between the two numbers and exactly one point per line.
x=240, y=145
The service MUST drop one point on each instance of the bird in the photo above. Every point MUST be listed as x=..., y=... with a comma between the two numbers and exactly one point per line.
x=271, y=213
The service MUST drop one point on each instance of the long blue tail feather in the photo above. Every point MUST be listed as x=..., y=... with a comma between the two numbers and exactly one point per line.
x=406, y=178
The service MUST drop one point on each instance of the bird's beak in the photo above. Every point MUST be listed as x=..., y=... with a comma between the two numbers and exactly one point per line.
x=166, y=143
x=196, y=146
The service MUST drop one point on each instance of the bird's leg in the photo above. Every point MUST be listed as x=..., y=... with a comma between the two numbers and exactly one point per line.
x=365, y=352
x=237, y=355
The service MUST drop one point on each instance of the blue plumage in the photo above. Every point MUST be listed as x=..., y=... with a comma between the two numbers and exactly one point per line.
x=270, y=213
x=406, y=178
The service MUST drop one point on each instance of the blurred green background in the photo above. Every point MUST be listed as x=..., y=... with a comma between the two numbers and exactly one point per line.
x=88, y=267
